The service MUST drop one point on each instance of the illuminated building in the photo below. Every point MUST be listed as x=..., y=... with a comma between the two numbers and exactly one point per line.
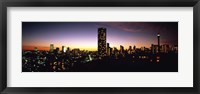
x=51, y=47
x=158, y=36
x=63, y=49
x=102, y=42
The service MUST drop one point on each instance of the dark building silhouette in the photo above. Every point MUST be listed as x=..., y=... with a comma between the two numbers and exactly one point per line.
x=68, y=50
x=108, y=49
x=102, y=42
x=57, y=49
x=63, y=49
x=134, y=47
x=154, y=49
x=158, y=36
x=75, y=51
x=111, y=50
x=130, y=49
x=121, y=49
x=164, y=48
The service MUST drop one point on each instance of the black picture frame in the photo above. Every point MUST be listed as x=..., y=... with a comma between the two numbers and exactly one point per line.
x=101, y=3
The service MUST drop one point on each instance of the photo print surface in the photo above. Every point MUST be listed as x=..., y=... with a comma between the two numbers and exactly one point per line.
x=99, y=46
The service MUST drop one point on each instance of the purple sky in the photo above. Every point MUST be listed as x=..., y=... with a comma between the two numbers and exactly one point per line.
x=84, y=34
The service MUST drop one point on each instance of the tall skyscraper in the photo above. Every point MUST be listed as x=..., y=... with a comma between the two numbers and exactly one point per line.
x=158, y=36
x=63, y=49
x=51, y=47
x=102, y=42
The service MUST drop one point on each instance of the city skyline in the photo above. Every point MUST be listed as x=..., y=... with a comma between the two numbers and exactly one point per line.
x=83, y=35
x=137, y=47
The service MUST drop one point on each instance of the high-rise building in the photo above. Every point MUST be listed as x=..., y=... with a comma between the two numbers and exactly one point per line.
x=111, y=51
x=108, y=49
x=121, y=49
x=134, y=48
x=63, y=49
x=51, y=47
x=57, y=49
x=68, y=50
x=158, y=36
x=102, y=42
x=130, y=50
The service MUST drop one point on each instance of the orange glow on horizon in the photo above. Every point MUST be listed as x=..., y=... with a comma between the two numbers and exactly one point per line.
x=32, y=48
x=48, y=48
x=89, y=48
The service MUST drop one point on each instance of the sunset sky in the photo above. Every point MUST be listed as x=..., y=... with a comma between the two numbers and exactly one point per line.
x=83, y=35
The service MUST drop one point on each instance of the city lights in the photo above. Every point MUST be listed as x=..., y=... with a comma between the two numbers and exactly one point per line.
x=158, y=56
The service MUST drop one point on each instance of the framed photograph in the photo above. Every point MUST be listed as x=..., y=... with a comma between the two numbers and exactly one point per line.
x=131, y=46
